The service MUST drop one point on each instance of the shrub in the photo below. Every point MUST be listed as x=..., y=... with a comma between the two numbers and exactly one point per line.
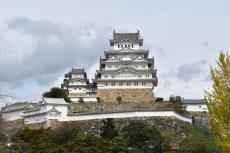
x=119, y=99
x=142, y=137
x=108, y=129
x=192, y=144
x=81, y=100
x=57, y=93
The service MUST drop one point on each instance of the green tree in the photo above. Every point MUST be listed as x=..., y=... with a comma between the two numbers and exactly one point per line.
x=192, y=144
x=57, y=93
x=142, y=137
x=119, y=99
x=218, y=101
x=177, y=104
x=108, y=130
x=98, y=99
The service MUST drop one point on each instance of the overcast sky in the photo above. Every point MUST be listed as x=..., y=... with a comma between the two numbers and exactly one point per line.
x=42, y=40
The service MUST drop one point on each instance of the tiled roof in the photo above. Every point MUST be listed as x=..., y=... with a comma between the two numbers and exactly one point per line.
x=194, y=101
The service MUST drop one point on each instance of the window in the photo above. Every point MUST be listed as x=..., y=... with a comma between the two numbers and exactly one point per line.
x=129, y=46
x=120, y=84
x=105, y=76
x=79, y=88
x=106, y=84
x=109, y=66
x=143, y=83
x=132, y=45
x=147, y=75
x=118, y=46
x=128, y=83
x=113, y=76
x=143, y=66
x=113, y=84
x=136, y=84
x=139, y=75
x=125, y=45
x=121, y=46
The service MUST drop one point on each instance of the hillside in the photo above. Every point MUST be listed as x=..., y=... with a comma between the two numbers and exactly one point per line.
x=87, y=137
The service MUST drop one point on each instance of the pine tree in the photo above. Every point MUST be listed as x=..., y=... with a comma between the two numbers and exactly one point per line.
x=218, y=102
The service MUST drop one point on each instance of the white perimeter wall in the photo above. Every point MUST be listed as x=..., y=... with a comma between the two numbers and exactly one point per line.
x=80, y=117
x=197, y=108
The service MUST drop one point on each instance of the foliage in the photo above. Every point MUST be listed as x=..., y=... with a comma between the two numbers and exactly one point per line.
x=98, y=99
x=192, y=144
x=201, y=135
x=57, y=93
x=65, y=132
x=218, y=101
x=177, y=104
x=81, y=100
x=108, y=130
x=120, y=144
x=141, y=136
x=119, y=99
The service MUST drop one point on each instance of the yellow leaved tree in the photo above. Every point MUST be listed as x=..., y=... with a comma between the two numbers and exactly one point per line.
x=218, y=102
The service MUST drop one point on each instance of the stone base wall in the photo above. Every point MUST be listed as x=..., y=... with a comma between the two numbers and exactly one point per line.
x=127, y=95
x=77, y=94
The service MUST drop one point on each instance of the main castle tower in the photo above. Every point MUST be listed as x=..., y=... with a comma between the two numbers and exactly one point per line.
x=126, y=71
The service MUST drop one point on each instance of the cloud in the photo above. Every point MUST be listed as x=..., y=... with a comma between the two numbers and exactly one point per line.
x=41, y=51
x=189, y=71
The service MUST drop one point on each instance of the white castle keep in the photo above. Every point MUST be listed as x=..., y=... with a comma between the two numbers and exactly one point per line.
x=126, y=72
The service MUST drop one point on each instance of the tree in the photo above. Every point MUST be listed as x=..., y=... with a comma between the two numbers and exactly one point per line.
x=108, y=129
x=142, y=137
x=192, y=144
x=218, y=102
x=81, y=100
x=177, y=104
x=119, y=99
x=98, y=99
x=57, y=93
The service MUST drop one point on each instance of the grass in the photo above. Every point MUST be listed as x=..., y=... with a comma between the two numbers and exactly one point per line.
x=188, y=128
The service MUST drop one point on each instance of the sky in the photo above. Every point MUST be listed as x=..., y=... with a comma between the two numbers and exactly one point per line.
x=42, y=40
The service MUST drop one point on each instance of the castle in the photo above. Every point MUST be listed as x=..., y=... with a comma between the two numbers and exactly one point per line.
x=123, y=84
x=126, y=72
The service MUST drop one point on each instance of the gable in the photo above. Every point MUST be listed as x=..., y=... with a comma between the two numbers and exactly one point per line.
x=113, y=59
x=139, y=59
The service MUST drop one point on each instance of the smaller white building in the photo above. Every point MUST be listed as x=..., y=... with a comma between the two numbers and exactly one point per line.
x=195, y=105
x=15, y=111
x=47, y=109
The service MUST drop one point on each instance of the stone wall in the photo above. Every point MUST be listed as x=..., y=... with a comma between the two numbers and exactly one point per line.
x=115, y=107
x=77, y=94
x=127, y=95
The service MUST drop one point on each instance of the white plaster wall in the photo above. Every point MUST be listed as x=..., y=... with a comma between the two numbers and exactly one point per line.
x=77, y=76
x=124, y=86
x=127, y=75
x=127, y=115
x=13, y=115
x=197, y=108
x=78, y=90
x=86, y=99
x=135, y=46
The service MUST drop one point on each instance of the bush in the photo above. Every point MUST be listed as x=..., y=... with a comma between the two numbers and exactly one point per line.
x=81, y=100
x=57, y=93
x=119, y=99
x=108, y=129
x=192, y=144
x=177, y=104
x=98, y=99
x=142, y=137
